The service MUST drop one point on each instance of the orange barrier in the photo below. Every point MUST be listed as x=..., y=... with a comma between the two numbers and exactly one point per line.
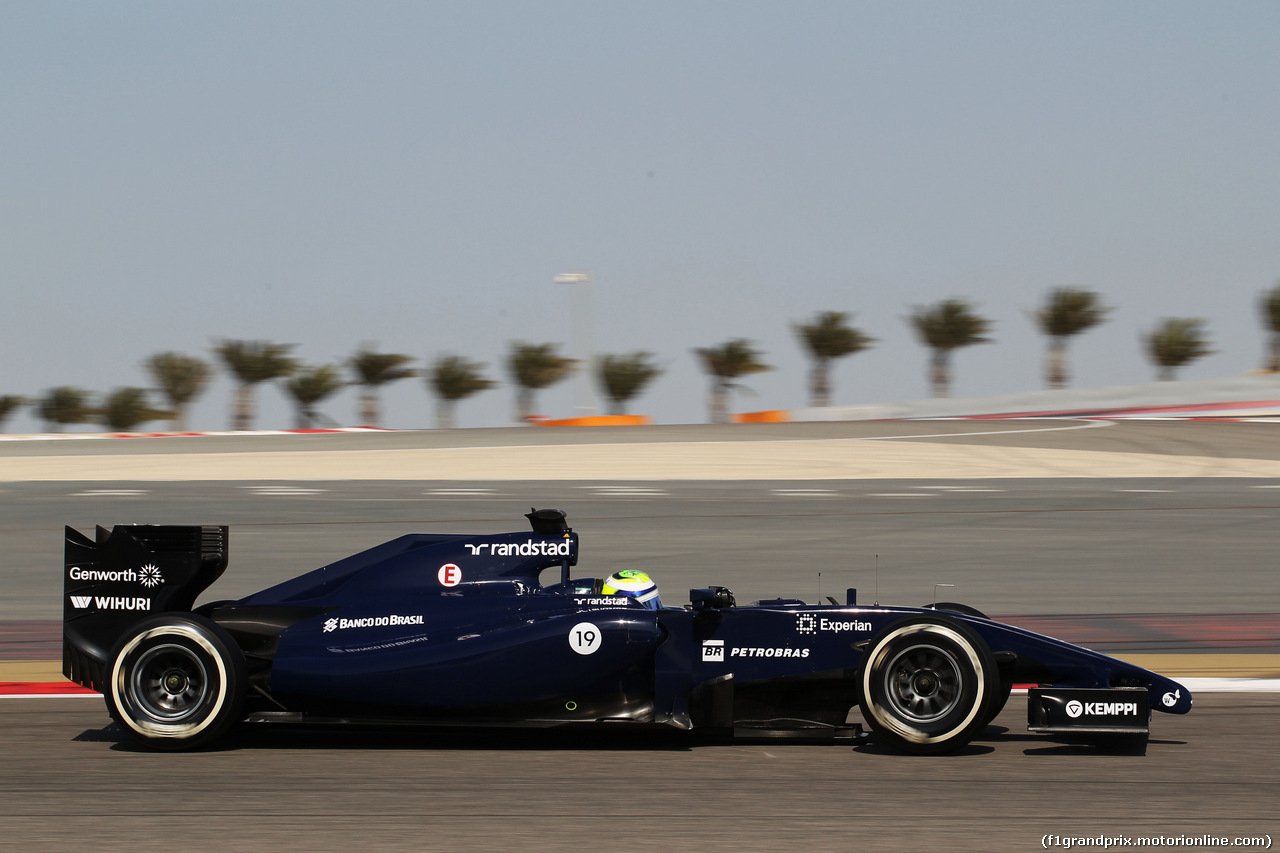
x=773, y=416
x=596, y=420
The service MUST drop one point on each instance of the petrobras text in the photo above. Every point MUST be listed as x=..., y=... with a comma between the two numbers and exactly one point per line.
x=768, y=653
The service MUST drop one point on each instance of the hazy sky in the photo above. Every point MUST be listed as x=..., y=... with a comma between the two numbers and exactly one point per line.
x=415, y=175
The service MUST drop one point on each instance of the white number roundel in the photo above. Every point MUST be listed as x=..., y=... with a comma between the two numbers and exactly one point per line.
x=584, y=638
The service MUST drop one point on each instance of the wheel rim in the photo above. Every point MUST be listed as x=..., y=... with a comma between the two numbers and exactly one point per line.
x=923, y=683
x=169, y=683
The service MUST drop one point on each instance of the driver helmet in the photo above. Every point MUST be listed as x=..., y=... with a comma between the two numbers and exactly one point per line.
x=633, y=583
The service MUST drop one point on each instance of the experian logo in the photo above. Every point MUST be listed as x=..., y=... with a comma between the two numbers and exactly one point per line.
x=811, y=623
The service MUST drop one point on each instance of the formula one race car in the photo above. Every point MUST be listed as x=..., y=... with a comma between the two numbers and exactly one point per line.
x=460, y=630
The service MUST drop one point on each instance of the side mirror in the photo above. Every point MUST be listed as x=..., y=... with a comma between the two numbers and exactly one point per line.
x=547, y=521
x=712, y=598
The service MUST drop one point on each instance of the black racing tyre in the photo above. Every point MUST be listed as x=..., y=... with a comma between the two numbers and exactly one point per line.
x=1001, y=699
x=928, y=685
x=1006, y=685
x=177, y=682
x=956, y=607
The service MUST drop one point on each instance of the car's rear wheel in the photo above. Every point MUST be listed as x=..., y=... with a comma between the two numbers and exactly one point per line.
x=177, y=682
x=928, y=684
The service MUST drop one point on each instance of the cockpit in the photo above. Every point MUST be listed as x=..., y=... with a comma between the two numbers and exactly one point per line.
x=631, y=584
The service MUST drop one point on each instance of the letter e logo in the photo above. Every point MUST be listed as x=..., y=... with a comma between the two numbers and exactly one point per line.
x=449, y=575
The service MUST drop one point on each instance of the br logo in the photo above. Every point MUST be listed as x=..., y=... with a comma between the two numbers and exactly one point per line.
x=713, y=650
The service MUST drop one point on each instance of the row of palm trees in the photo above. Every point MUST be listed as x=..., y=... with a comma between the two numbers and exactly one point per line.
x=181, y=378
x=1069, y=311
x=943, y=327
x=953, y=323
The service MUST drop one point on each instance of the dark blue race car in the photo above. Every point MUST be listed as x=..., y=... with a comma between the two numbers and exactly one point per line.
x=463, y=630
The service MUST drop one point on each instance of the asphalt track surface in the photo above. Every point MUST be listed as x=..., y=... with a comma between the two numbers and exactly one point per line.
x=1163, y=549
x=68, y=783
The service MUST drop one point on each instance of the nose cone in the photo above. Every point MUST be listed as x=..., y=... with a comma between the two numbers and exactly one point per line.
x=1170, y=697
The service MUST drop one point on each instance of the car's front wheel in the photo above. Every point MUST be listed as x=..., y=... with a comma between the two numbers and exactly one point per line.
x=928, y=684
x=177, y=682
x=1006, y=684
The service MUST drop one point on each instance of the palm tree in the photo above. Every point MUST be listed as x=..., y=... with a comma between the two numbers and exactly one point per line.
x=1067, y=312
x=624, y=376
x=453, y=378
x=125, y=408
x=944, y=327
x=1271, y=318
x=308, y=387
x=1176, y=341
x=8, y=403
x=374, y=369
x=253, y=362
x=827, y=338
x=181, y=378
x=65, y=405
x=726, y=363
x=535, y=366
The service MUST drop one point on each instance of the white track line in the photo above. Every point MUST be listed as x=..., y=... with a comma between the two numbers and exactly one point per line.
x=1200, y=684
x=900, y=495
x=1231, y=685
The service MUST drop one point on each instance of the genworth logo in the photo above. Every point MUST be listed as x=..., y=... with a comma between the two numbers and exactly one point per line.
x=149, y=576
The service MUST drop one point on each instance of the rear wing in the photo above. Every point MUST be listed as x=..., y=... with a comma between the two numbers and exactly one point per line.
x=127, y=574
